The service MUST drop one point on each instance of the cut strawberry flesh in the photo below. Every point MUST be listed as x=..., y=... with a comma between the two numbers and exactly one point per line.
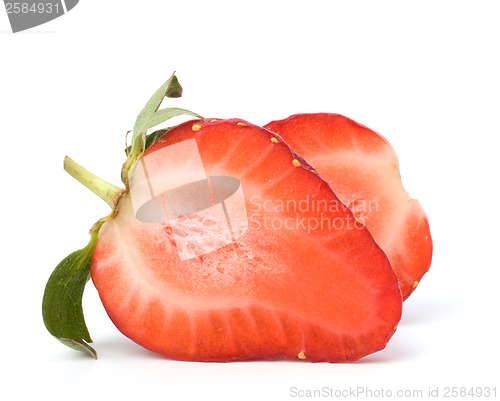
x=363, y=170
x=300, y=278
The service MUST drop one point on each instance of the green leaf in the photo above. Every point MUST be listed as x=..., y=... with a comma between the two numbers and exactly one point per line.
x=153, y=104
x=151, y=139
x=154, y=137
x=149, y=117
x=62, y=301
x=175, y=89
x=166, y=114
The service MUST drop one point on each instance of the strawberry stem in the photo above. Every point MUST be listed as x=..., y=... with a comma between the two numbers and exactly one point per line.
x=106, y=191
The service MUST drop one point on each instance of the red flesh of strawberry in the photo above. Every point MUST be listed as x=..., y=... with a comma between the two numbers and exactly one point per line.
x=287, y=288
x=363, y=170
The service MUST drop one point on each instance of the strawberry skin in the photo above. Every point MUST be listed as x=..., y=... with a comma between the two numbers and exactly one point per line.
x=363, y=170
x=301, y=281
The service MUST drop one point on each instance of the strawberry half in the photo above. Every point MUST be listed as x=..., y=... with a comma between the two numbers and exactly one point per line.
x=363, y=170
x=298, y=278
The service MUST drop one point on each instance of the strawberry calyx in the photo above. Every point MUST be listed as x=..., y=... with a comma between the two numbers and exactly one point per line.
x=149, y=117
x=62, y=301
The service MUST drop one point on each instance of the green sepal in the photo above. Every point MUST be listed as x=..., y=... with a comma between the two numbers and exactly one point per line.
x=62, y=301
x=175, y=89
x=151, y=139
x=149, y=117
x=166, y=114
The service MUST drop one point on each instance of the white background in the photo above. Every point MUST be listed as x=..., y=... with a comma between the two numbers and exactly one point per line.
x=423, y=74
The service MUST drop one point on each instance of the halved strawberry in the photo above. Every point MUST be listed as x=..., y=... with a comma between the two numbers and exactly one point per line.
x=363, y=170
x=253, y=259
